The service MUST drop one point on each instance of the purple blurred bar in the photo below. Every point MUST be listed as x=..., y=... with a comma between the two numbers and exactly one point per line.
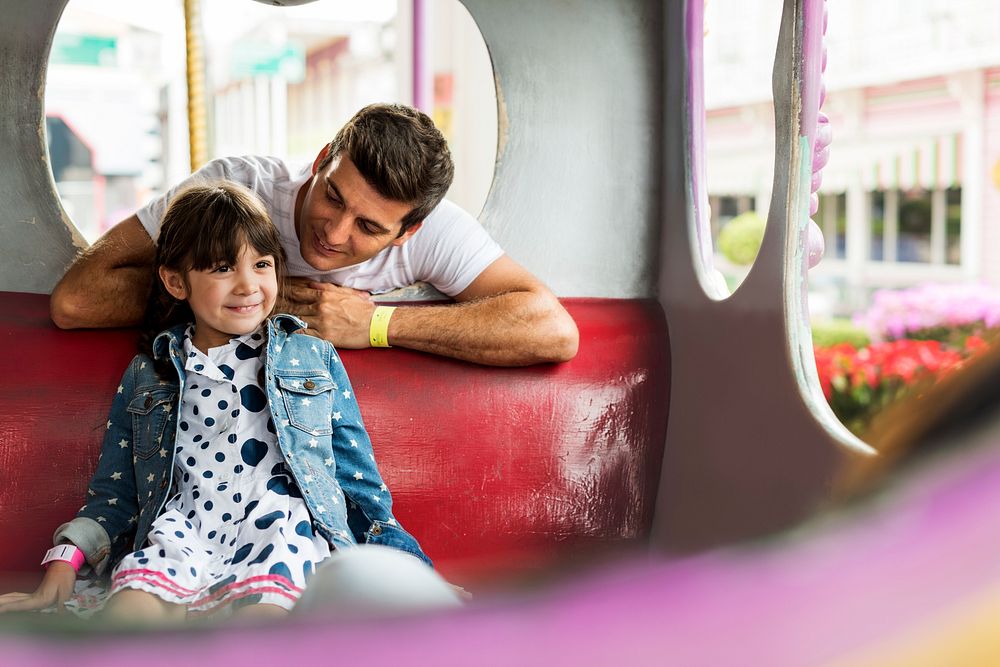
x=695, y=35
x=421, y=65
x=915, y=559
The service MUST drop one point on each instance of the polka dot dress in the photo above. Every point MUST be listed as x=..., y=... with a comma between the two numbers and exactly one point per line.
x=237, y=532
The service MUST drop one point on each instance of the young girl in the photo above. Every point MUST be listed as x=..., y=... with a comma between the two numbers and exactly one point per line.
x=235, y=458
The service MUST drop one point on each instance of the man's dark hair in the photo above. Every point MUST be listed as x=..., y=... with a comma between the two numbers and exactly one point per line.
x=400, y=153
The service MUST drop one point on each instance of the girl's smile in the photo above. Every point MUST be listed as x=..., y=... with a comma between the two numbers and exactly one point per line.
x=244, y=310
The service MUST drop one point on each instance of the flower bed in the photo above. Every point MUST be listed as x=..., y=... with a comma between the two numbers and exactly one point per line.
x=858, y=382
x=918, y=335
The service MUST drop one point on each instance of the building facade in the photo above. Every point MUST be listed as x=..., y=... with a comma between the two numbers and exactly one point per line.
x=912, y=190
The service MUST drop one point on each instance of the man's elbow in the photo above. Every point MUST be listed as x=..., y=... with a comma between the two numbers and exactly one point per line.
x=563, y=338
x=65, y=309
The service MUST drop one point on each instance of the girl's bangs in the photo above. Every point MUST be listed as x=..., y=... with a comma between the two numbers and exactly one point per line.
x=216, y=244
x=221, y=238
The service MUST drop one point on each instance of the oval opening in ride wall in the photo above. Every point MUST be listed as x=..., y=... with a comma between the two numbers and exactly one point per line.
x=268, y=80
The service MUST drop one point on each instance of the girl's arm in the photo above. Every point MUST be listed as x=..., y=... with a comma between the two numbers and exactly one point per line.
x=358, y=474
x=112, y=505
x=357, y=470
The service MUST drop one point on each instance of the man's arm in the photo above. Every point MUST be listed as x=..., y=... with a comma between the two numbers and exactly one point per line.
x=108, y=284
x=505, y=317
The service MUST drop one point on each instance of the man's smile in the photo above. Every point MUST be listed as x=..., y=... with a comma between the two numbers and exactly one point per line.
x=326, y=249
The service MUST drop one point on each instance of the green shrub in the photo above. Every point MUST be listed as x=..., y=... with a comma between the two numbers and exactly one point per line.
x=841, y=330
x=740, y=239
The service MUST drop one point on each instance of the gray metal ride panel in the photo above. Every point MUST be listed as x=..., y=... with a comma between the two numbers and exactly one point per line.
x=36, y=238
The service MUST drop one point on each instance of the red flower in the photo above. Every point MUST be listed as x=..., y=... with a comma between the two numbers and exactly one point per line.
x=974, y=344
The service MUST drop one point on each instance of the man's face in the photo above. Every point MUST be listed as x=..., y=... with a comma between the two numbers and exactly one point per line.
x=341, y=220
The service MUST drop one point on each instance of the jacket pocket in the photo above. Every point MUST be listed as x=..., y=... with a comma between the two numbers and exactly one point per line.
x=308, y=399
x=151, y=409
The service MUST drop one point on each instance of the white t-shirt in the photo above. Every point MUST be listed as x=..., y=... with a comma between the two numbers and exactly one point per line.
x=449, y=250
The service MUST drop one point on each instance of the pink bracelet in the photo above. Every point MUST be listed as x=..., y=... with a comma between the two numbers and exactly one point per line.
x=67, y=553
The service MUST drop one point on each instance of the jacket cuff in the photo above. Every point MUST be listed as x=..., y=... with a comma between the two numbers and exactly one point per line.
x=89, y=537
x=392, y=535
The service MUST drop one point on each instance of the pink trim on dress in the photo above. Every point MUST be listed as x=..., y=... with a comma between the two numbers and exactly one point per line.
x=252, y=580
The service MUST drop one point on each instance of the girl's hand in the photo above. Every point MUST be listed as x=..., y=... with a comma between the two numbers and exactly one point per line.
x=463, y=595
x=55, y=589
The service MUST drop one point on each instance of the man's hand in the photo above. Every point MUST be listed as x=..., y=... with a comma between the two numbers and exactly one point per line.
x=505, y=317
x=55, y=589
x=340, y=315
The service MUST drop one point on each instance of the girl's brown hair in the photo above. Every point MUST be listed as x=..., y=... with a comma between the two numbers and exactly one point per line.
x=204, y=226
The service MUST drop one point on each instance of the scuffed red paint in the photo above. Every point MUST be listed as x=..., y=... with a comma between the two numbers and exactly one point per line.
x=495, y=470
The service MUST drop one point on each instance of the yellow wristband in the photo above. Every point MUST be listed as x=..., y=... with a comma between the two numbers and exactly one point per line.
x=378, y=331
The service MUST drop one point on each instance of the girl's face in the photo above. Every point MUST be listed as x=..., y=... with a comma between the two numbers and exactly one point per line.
x=227, y=300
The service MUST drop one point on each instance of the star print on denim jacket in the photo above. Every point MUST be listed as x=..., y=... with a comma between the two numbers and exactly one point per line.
x=319, y=431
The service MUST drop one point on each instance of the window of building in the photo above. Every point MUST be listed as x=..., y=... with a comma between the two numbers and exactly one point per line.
x=953, y=225
x=877, y=225
x=913, y=240
x=832, y=219
x=916, y=226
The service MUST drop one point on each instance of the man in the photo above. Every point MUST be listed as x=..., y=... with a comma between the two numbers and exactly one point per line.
x=368, y=217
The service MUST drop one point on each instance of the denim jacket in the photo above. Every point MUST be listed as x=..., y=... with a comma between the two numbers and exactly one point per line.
x=319, y=431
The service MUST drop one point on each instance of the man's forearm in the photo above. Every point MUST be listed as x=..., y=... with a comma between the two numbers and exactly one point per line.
x=108, y=284
x=512, y=329
x=490, y=324
x=119, y=300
